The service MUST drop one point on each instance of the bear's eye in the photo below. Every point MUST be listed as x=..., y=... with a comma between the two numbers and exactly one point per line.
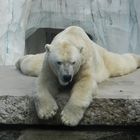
x=59, y=62
x=73, y=63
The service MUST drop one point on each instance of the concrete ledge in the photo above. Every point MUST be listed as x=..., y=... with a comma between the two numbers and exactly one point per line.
x=117, y=103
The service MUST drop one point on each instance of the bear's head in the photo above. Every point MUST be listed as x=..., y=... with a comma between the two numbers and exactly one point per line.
x=64, y=60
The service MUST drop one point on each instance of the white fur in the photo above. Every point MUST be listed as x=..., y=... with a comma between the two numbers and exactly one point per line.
x=30, y=64
x=93, y=65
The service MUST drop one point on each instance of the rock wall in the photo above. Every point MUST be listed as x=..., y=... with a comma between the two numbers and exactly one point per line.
x=114, y=24
x=13, y=18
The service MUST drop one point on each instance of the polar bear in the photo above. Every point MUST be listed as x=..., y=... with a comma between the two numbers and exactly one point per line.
x=73, y=59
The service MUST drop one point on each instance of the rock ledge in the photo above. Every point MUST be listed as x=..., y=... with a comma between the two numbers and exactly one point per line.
x=117, y=103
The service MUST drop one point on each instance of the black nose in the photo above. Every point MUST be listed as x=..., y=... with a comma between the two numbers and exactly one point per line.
x=67, y=78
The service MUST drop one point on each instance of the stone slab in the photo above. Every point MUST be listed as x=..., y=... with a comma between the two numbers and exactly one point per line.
x=117, y=101
x=124, y=87
x=14, y=83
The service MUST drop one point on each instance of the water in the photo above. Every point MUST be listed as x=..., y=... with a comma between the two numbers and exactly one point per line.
x=72, y=134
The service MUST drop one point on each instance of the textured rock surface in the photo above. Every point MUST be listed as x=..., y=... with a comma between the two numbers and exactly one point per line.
x=109, y=22
x=117, y=103
x=13, y=17
x=17, y=110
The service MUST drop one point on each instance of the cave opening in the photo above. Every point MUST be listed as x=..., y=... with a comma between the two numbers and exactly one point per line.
x=35, y=43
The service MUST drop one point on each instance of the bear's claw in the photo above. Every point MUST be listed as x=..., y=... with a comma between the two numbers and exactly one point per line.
x=71, y=115
x=48, y=111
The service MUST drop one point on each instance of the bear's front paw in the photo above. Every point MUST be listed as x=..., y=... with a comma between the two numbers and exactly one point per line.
x=46, y=110
x=71, y=115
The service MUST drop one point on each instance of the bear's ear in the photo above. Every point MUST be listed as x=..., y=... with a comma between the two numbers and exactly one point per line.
x=48, y=47
x=81, y=48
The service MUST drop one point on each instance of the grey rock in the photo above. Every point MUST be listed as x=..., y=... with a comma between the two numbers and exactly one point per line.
x=17, y=110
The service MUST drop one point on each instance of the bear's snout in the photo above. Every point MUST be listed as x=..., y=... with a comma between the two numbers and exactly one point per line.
x=67, y=78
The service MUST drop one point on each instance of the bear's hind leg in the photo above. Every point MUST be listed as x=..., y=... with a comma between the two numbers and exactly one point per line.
x=137, y=58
